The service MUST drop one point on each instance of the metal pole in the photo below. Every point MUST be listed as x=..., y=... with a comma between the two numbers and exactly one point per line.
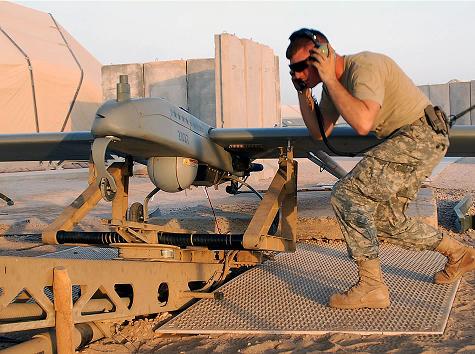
x=45, y=342
x=81, y=77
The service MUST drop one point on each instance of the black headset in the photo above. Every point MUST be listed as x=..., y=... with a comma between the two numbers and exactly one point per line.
x=307, y=33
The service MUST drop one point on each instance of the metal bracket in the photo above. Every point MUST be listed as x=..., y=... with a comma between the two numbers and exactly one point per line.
x=146, y=201
x=105, y=180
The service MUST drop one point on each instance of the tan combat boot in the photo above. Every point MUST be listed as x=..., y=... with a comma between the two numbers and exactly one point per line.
x=461, y=259
x=370, y=291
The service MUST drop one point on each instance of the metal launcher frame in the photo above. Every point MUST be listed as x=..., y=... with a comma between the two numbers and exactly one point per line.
x=156, y=271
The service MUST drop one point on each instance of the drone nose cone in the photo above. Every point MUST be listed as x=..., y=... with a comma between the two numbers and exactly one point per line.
x=99, y=126
x=115, y=118
x=103, y=120
x=106, y=109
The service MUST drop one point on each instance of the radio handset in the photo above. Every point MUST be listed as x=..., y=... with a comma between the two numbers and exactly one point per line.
x=300, y=85
x=322, y=48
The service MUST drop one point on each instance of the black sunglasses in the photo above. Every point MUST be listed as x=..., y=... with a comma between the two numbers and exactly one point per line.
x=299, y=66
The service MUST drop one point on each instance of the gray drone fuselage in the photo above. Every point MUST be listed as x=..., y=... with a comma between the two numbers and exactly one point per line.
x=153, y=127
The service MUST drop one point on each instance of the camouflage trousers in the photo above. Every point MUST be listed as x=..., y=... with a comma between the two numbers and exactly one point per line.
x=371, y=201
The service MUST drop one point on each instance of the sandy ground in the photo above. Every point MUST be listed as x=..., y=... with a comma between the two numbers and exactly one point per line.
x=450, y=185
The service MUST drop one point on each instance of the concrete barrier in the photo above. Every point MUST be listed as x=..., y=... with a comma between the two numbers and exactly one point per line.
x=459, y=97
x=253, y=81
x=247, y=88
x=270, y=115
x=230, y=82
x=110, y=78
x=425, y=89
x=439, y=95
x=201, y=89
x=167, y=79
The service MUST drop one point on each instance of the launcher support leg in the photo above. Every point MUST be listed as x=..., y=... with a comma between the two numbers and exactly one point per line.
x=288, y=223
x=83, y=204
x=282, y=194
x=63, y=306
x=120, y=202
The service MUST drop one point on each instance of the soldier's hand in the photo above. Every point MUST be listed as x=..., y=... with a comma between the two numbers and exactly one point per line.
x=298, y=83
x=325, y=64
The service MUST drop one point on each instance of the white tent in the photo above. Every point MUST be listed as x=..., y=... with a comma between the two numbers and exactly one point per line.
x=48, y=81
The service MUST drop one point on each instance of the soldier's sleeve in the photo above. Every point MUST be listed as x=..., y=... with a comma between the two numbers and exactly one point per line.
x=367, y=84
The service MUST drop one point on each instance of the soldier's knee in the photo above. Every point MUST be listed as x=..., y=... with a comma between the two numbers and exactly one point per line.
x=337, y=194
x=344, y=193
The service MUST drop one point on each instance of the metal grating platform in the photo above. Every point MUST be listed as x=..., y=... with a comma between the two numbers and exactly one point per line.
x=289, y=295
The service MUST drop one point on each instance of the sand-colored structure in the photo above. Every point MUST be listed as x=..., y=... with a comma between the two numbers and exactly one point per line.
x=48, y=81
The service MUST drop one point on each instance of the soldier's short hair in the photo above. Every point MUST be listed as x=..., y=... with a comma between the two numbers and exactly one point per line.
x=301, y=38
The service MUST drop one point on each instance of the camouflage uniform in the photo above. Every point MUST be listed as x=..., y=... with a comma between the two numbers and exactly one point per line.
x=370, y=202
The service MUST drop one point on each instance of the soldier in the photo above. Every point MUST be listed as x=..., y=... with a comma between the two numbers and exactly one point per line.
x=373, y=94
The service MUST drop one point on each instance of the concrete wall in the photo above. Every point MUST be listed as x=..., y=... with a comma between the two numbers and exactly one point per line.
x=186, y=83
x=166, y=79
x=230, y=82
x=253, y=85
x=439, y=95
x=269, y=93
x=110, y=78
x=453, y=97
x=201, y=89
x=247, y=83
x=425, y=90
x=459, y=98
x=240, y=88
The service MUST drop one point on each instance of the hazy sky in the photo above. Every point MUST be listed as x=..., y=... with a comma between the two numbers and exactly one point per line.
x=431, y=41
